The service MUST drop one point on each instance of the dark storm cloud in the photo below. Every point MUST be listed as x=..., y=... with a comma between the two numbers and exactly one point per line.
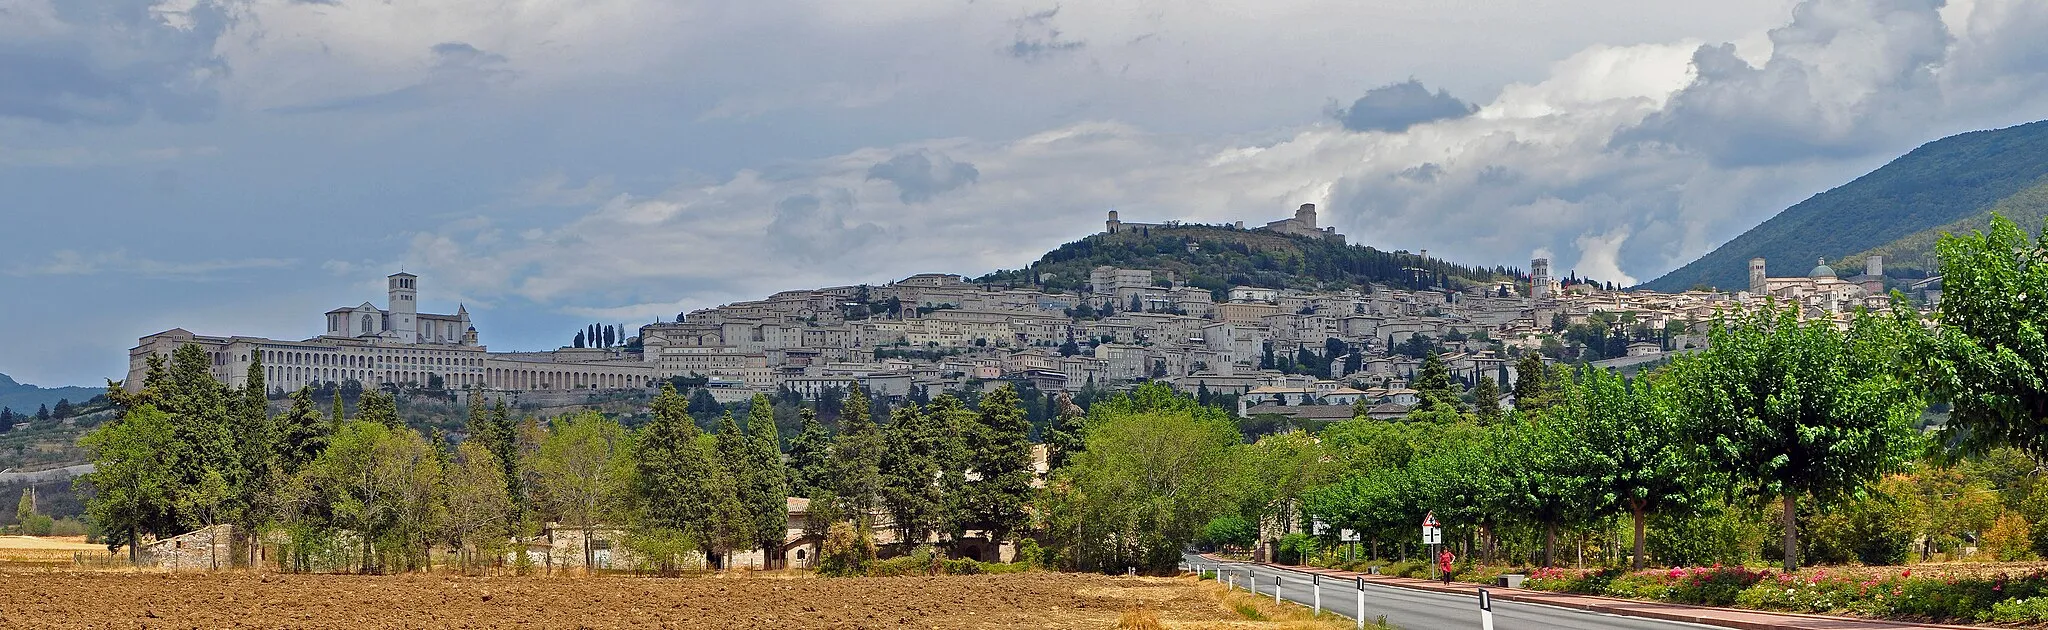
x=920, y=175
x=111, y=62
x=1398, y=106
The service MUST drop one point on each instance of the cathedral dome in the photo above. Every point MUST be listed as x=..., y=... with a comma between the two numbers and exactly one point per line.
x=1822, y=271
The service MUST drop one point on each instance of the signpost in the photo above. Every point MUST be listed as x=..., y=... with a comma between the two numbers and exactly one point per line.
x=1432, y=535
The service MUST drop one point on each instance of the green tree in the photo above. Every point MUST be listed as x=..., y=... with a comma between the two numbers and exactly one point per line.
x=1435, y=387
x=301, y=434
x=375, y=406
x=857, y=458
x=998, y=449
x=1532, y=393
x=765, y=487
x=1146, y=484
x=1788, y=408
x=383, y=484
x=204, y=421
x=674, y=471
x=1486, y=400
x=810, y=457
x=1551, y=475
x=479, y=508
x=585, y=471
x=912, y=469
x=134, y=479
x=202, y=507
x=1651, y=466
x=1989, y=358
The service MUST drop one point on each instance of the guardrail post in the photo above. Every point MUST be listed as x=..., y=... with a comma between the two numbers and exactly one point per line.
x=1361, y=604
x=1232, y=585
x=1315, y=584
x=1276, y=589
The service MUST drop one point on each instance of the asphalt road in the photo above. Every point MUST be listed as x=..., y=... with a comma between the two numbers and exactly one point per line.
x=1420, y=610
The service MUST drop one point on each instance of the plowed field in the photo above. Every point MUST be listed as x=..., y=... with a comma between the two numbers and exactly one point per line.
x=1032, y=601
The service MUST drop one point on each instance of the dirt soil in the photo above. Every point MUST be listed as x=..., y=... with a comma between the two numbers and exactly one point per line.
x=1031, y=601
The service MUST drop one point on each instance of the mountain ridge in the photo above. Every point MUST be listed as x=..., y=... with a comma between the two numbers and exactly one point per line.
x=24, y=398
x=1946, y=182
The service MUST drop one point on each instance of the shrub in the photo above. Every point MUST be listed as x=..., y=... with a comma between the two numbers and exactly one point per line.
x=1407, y=569
x=1229, y=530
x=1720, y=535
x=1560, y=580
x=2009, y=539
x=920, y=562
x=1710, y=586
x=1032, y=555
x=2022, y=610
x=845, y=552
x=1293, y=548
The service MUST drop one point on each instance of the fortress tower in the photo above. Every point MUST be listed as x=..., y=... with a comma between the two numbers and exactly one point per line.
x=1757, y=285
x=1539, y=278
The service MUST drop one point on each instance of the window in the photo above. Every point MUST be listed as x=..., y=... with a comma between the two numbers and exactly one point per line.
x=366, y=323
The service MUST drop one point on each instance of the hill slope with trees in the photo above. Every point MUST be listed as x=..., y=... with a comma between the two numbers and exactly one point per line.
x=1955, y=179
x=1217, y=258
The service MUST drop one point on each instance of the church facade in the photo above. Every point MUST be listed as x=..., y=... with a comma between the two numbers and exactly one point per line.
x=398, y=346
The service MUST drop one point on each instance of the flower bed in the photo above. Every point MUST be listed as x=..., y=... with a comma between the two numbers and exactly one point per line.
x=1972, y=597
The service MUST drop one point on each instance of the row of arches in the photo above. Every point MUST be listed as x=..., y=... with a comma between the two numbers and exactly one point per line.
x=551, y=378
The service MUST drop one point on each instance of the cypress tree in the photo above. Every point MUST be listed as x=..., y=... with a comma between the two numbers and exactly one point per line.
x=912, y=466
x=857, y=458
x=676, y=477
x=810, y=457
x=301, y=434
x=766, y=488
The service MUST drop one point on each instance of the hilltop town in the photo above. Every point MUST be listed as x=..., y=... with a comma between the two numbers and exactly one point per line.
x=1309, y=351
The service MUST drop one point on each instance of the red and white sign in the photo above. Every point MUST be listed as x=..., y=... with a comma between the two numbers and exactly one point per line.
x=1429, y=520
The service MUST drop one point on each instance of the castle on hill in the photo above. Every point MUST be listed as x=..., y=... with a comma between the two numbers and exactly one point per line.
x=1303, y=223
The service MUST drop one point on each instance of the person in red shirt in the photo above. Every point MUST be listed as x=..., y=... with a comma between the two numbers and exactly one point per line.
x=1443, y=561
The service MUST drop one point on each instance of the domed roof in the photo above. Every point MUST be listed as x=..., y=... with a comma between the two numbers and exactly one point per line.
x=1822, y=271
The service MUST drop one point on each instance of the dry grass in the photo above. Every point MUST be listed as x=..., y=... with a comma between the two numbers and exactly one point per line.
x=1140, y=618
x=46, y=551
x=1258, y=611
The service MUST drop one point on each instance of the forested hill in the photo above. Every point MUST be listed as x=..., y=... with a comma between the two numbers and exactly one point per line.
x=1896, y=210
x=1217, y=258
x=25, y=399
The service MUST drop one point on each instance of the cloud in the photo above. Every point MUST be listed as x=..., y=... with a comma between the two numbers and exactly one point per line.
x=458, y=71
x=920, y=175
x=68, y=262
x=109, y=62
x=1844, y=78
x=1600, y=256
x=1398, y=106
x=1038, y=39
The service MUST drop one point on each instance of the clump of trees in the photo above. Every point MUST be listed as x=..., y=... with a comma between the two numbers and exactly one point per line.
x=368, y=493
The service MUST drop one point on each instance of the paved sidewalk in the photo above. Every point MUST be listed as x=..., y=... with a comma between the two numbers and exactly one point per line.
x=1723, y=617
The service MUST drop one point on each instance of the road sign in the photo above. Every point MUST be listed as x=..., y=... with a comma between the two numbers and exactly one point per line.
x=1319, y=528
x=1429, y=520
x=1348, y=535
x=1432, y=535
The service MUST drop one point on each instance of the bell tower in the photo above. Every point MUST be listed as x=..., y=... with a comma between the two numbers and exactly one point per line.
x=403, y=291
x=1757, y=284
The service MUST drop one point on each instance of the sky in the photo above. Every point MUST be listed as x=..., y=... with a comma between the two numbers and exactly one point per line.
x=242, y=166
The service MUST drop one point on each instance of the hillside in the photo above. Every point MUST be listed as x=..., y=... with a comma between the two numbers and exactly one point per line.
x=25, y=398
x=1217, y=258
x=1913, y=255
x=1948, y=182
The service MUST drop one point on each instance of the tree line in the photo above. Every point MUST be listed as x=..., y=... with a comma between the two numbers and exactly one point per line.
x=368, y=493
